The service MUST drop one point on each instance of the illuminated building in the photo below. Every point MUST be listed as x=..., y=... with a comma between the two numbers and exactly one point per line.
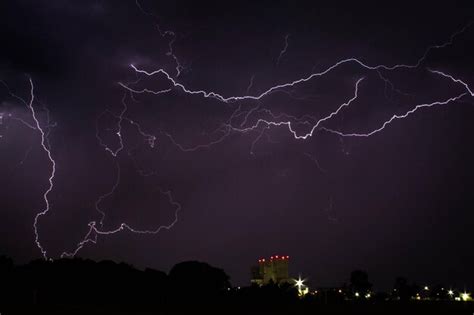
x=270, y=270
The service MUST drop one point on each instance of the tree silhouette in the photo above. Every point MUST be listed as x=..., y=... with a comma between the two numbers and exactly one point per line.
x=197, y=281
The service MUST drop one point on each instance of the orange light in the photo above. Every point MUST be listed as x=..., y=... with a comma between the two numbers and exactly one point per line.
x=263, y=260
x=287, y=257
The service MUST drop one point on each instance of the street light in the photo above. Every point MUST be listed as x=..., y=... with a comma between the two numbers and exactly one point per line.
x=466, y=296
x=302, y=289
x=299, y=283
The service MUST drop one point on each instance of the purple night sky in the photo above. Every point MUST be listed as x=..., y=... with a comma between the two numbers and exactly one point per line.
x=396, y=203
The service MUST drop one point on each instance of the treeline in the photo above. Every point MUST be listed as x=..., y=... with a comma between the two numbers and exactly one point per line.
x=80, y=282
x=80, y=286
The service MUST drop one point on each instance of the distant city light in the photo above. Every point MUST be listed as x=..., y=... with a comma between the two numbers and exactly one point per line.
x=357, y=294
x=426, y=288
x=451, y=292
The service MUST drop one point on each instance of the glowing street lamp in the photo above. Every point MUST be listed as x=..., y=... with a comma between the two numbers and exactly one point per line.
x=466, y=296
x=302, y=288
x=299, y=283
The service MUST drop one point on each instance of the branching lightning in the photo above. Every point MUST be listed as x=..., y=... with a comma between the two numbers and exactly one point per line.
x=281, y=87
x=108, y=194
x=93, y=232
x=252, y=119
x=314, y=127
x=395, y=117
x=149, y=138
x=164, y=33
x=45, y=145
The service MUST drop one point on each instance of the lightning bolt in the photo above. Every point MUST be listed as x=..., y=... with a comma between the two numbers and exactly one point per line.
x=283, y=51
x=313, y=128
x=261, y=124
x=389, y=84
x=53, y=169
x=282, y=88
x=179, y=67
x=93, y=232
x=395, y=117
x=118, y=132
x=469, y=90
x=237, y=122
x=106, y=195
x=315, y=161
x=46, y=148
x=229, y=99
x=170, y=53
x=22, y=121
x=215, y=95
x=250, y=83
x=150, y=139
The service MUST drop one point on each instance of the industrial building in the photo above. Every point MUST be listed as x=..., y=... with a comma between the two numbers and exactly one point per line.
x=272, y=270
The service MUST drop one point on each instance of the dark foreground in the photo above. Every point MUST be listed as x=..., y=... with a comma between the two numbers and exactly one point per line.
x=76, y=286
x=424, y=307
